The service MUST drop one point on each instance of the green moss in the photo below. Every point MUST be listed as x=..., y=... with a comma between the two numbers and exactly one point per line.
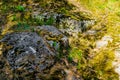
x=49, y=21
x=21, y=26
x=20, y=8
x=106, y=12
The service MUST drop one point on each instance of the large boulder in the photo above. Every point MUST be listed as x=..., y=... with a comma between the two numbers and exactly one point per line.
x=31, y=52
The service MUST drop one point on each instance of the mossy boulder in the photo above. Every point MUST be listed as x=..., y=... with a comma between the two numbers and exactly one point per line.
x=29, y=52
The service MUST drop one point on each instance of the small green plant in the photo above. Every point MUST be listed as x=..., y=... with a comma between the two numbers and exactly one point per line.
x=14, y=18
x=75, y=54
x=54, y=44
x=50, y=21
x=64, y=10
x=20, y=8
x=22, y=26
x=40, y=20
x=70, y=59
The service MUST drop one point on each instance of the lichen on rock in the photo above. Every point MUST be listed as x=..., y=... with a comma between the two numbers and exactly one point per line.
x=32, y=52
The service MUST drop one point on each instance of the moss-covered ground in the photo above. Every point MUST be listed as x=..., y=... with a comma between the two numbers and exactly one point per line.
x=91, y=65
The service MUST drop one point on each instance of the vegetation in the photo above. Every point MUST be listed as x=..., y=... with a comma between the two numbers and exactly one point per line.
x=92, y=65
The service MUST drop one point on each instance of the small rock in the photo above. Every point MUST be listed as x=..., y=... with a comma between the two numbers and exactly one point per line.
x=101, y=44
x=107, y=38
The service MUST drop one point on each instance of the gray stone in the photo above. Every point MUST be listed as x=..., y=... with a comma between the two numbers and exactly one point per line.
x=28, y=47
x=54, y=31
x=101, y=44
x=107, y=38
x=71, y=26
x=51, y=31
x=33, y=52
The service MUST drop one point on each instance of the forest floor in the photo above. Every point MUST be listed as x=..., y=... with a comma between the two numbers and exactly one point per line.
x=96, y=50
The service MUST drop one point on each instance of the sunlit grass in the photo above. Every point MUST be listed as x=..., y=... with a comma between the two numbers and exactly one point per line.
x=107, y=13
